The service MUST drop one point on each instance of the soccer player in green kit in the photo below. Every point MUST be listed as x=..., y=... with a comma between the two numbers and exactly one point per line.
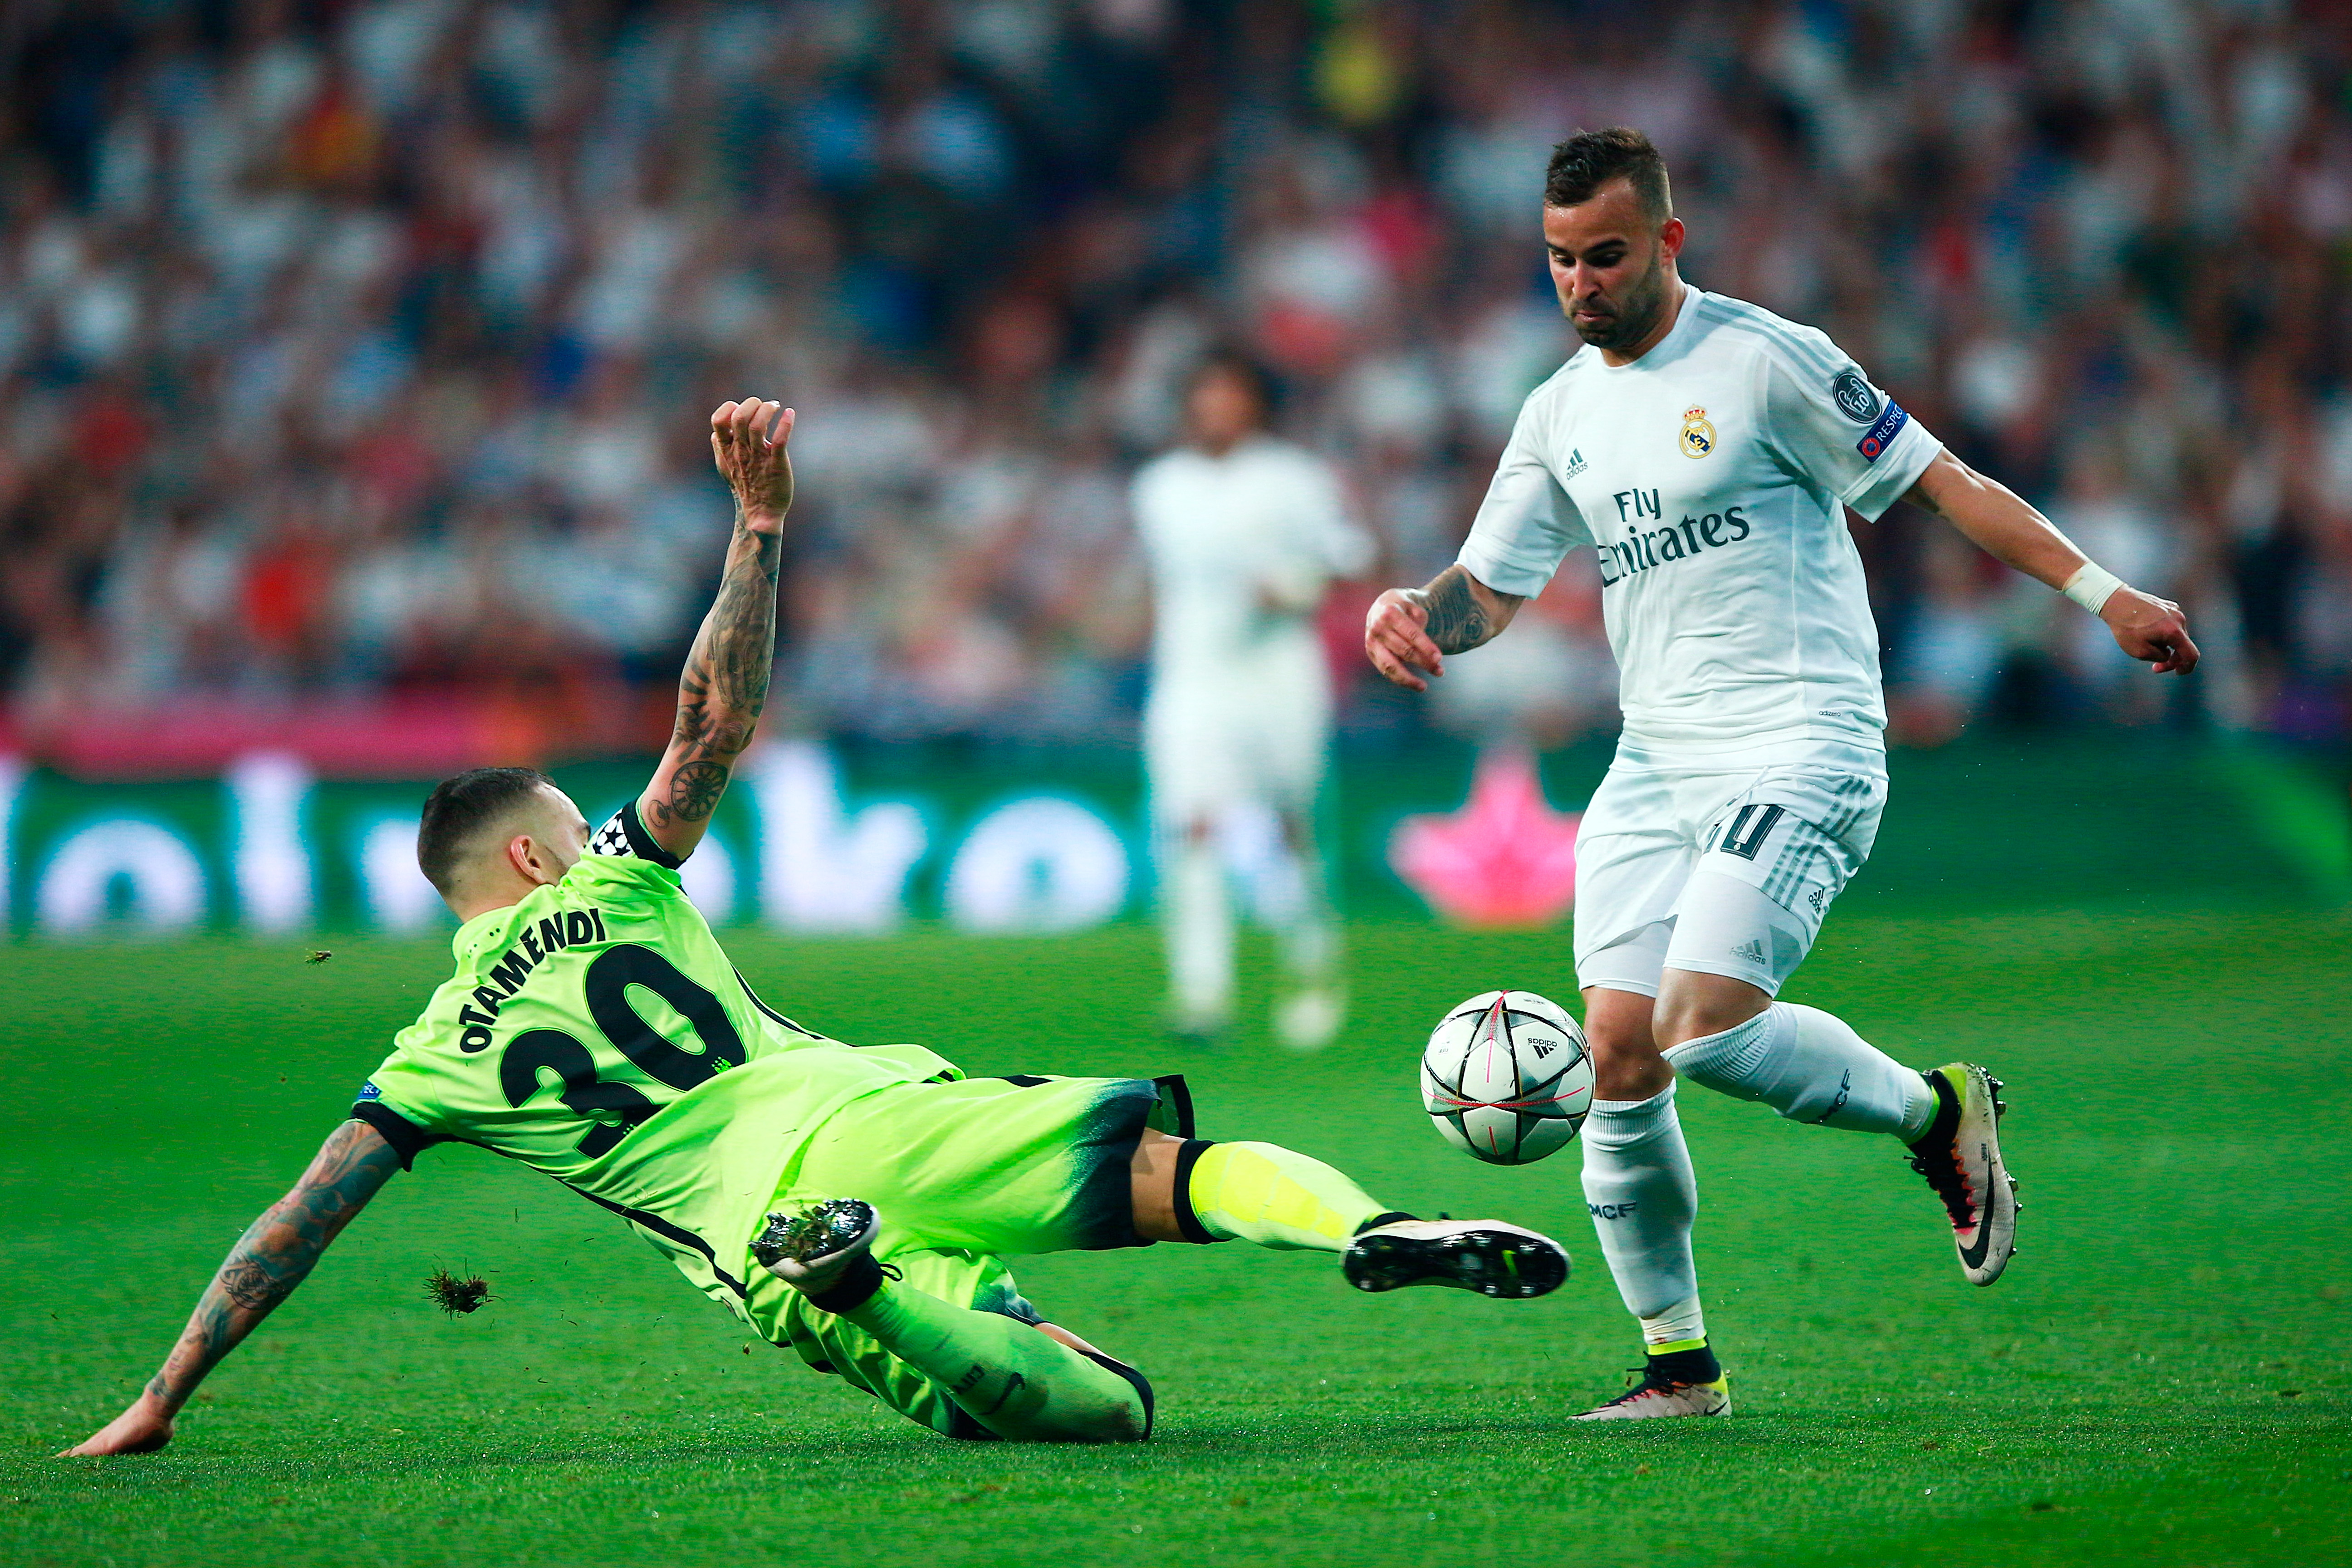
x=852, y=1202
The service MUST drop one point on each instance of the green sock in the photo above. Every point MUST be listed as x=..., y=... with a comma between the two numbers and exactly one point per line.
x=1276, y=1198
x=1018, y=1383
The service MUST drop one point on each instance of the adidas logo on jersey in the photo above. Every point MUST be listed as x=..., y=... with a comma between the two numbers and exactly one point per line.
x=1751, y=950
x=1576, y=463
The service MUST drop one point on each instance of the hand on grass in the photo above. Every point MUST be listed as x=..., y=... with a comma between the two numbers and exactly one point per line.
x=756, y=465
x=141, y=1429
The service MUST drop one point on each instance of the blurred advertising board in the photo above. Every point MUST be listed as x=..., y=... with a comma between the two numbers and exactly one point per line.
x=827, y=840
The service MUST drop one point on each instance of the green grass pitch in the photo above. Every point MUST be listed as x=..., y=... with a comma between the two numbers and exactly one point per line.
x=2162, y=1378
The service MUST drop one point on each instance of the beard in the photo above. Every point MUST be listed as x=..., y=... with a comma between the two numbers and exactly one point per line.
x=1634, y=315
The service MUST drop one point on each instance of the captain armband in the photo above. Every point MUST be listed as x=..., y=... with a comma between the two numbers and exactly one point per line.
x=2091, y=585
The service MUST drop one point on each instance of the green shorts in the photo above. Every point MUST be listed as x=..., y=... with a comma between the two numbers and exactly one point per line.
x=964, y=1173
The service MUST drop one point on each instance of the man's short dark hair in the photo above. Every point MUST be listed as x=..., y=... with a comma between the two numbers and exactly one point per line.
x=1591, y=159
x=459, y=807
x=1225, y=359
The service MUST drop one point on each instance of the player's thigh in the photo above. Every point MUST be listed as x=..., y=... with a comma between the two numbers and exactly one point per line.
x=1633, y=857
x=1195, y=763
x=1289, y=749
x=1008, y=1165
x=832, y=1344
x=1774, y=860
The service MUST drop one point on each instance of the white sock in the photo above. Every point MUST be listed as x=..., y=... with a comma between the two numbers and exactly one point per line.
x=1810, y=1067
x=1677, y=1325
x=1639, y=1186
x=1198, y=925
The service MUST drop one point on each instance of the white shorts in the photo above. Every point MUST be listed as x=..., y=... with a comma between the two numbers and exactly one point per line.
x=1721, y=869
x=1264, y=746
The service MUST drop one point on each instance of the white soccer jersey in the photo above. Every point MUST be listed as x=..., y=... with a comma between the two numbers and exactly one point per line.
x=1241, y=547
x=1706, y=476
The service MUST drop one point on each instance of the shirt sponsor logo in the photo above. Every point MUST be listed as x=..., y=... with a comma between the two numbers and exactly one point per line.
x=1698, y=436
x=1643, y=548
x=1856, y=399
x=1879, y=436
x=1576, y=465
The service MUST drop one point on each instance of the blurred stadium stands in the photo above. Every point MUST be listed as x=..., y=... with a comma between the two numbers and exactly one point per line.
x=354, y=356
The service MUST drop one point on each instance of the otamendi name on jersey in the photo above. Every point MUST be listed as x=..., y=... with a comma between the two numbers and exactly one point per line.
x=557, y=932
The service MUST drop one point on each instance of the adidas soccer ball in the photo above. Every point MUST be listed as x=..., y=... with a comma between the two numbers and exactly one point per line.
x=1506, y=1077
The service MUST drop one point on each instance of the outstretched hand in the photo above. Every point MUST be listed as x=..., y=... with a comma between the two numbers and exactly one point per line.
x=1397, y=640
x=2151, y=630
x=755, y=464
x=141, y=1429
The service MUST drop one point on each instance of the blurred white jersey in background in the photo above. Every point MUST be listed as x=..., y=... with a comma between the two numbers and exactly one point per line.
x=1242, y=547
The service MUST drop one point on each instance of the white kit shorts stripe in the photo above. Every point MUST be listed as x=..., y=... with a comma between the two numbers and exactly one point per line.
x=1719, y=867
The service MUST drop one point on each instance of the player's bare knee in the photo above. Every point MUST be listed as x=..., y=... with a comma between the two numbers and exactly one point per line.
x=1691, y=1006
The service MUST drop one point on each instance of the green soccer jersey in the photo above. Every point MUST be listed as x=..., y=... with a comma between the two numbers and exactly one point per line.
x=596, y=1033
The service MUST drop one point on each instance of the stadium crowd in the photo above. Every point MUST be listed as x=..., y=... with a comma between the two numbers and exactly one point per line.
x=350, y=350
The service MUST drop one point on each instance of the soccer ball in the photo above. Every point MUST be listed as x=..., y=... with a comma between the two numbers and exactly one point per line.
x=1506, y=1077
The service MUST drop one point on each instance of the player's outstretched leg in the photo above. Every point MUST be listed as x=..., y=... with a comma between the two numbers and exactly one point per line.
x=1010, y=1377
x=1277, y=1198
x=1811, y=1067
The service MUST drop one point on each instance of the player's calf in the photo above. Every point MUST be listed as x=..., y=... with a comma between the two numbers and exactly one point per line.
x=1280, y=1198
x=1015, y=1381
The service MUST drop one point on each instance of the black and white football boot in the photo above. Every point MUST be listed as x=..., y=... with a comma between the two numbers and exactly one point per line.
x=1508, y=1262
x=813, y=1250
x=1959, y=1154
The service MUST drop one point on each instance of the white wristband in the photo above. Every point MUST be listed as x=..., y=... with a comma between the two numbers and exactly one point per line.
x=2089, y=587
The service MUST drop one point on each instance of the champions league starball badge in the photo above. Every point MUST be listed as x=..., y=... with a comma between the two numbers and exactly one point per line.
x=1854, y=395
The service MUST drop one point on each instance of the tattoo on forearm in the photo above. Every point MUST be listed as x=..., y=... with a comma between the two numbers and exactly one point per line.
x=725, y=686
x=1456, y=621
x=695, y=789
x=251, y=1283
x=275, y=1254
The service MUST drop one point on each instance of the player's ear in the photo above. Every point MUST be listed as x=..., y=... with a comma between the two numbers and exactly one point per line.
x=1670, y=239
x=531, y=858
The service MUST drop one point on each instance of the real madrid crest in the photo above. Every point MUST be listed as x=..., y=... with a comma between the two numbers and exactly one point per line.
x=1698, y=436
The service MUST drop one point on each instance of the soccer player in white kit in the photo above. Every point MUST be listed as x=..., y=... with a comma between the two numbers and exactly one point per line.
x=1243, y=533
x=1705, y=450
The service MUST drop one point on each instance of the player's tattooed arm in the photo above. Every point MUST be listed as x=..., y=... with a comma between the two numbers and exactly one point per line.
x=1411, y=630
x=1458, y=620
x=277, y=1253
x=725, y=686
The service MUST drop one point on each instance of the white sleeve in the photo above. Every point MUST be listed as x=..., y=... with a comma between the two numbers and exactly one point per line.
x=1834, y=429
x=1526, y=525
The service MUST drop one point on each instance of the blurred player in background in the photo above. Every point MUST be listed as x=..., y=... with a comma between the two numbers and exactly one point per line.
x=1244, y=533
x=1705, y=450
x=850, y=1203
